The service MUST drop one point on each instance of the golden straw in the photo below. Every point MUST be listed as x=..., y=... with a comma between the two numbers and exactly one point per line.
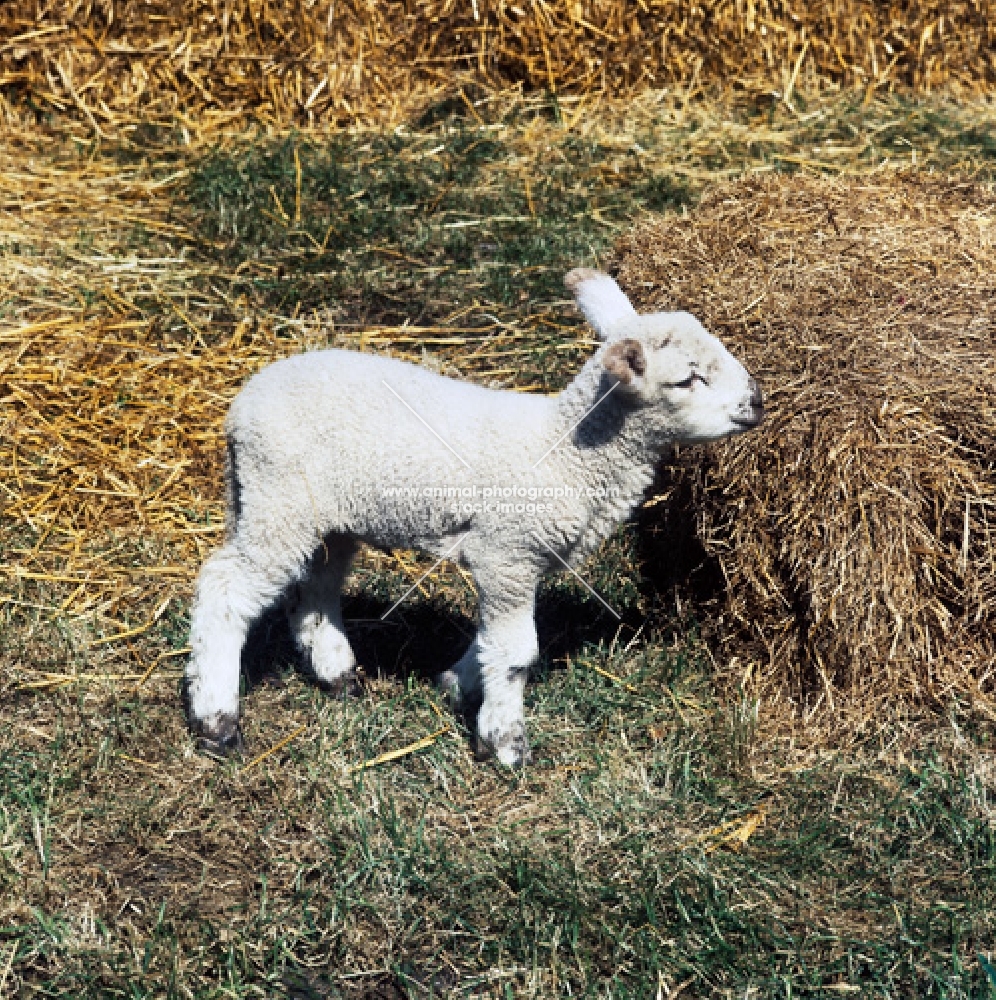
x=276, y=746
x=385, y=758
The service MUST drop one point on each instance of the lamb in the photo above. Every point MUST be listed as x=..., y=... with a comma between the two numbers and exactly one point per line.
x=334, y=448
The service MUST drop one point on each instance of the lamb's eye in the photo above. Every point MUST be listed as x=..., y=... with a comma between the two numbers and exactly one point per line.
x=690, y=381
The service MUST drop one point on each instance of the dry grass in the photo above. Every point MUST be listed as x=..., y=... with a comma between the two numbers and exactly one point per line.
x=856, y=533
x=112, y=63
x=91, y=460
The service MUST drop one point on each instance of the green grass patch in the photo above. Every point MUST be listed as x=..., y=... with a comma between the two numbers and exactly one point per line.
x=593, y=874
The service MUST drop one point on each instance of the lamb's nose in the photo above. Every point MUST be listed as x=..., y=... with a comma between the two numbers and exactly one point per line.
x=756, y=399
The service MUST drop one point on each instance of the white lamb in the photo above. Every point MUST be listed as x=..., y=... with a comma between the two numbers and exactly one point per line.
x=332, y=448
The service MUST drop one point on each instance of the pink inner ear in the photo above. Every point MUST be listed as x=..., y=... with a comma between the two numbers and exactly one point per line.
x=625, y=359
x=618, y=368
x=635, y=357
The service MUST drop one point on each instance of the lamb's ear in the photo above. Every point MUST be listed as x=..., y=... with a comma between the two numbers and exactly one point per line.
x=602, y=301
x=626, y=363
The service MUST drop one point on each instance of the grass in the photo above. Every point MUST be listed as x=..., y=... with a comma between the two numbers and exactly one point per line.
x=130, y=866
x=585, y=877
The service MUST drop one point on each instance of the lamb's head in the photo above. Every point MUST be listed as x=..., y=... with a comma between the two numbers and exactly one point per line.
x=667, y=364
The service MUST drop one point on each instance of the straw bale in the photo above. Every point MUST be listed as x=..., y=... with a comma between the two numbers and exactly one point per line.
x=121, y=61
x=855, y=532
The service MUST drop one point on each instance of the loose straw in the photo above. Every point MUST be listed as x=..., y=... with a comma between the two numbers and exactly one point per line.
x=614, y=678
x=276, y=746
x=155, y=663
x=733, y=833
x=385, y=758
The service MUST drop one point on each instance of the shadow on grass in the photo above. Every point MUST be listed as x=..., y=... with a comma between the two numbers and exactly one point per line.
x=424, y=637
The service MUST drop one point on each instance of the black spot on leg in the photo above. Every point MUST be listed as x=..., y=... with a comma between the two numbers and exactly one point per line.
x=347, y=685
x=517, y=673
x=523, y=754
x=219, y=736
x=487, y=747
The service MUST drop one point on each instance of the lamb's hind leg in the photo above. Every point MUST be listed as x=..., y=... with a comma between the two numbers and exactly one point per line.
x=495, y=667
x=231, y=593
x=314, y=612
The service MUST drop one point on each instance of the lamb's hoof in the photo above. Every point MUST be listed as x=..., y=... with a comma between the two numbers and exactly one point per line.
x=510, y=749
x=344, y=686
x=449, y=684
x=468, y=702
x=219, y=740
x=327, y=659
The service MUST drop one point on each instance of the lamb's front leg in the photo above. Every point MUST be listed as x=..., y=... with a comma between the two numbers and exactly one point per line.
x=495, y=667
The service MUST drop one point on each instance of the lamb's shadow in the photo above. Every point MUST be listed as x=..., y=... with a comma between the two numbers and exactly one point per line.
x=419, y=637
x=423, y=637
